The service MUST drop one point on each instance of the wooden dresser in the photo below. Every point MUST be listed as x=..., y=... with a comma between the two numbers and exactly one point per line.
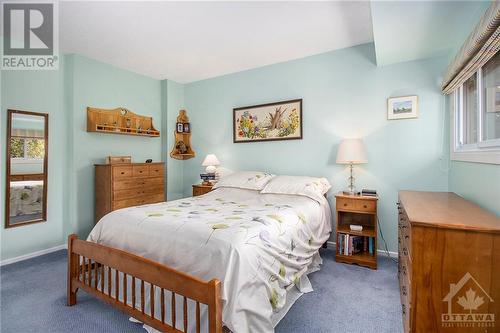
x=449, y=264
x=125, y=185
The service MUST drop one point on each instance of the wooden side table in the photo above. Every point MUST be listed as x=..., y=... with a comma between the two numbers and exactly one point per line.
x=199, y=189
x=356, y=247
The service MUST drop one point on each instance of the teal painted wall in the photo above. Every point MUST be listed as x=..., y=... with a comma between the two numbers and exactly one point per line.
x=437, y=28
x=100, y=85
x=65, y=94
x=477, y=182
x=173, y=93
x=40, y=91
x=344, y=95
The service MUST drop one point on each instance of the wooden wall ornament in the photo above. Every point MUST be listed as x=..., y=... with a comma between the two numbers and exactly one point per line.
x=120, y=121
x=182, y=140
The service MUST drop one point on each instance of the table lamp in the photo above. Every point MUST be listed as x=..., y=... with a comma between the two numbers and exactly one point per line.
x=351, y=151
x=210, y=162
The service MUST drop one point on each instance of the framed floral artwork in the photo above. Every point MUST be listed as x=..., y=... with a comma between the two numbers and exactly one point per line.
x=268, y=122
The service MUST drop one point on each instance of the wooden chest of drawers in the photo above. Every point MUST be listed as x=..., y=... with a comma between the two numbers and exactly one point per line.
x=449, y=264
x=125, y=185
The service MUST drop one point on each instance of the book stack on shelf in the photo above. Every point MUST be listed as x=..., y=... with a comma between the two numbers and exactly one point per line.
x=349, y=245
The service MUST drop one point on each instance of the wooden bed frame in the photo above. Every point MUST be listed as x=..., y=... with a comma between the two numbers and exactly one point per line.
x=88, y=263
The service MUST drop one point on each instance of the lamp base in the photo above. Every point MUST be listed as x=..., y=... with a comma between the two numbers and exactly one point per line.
x=211, y=169
x=346, y=192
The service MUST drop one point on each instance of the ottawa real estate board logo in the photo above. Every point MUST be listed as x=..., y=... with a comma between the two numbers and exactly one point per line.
x=30, y=36
x=468, y=305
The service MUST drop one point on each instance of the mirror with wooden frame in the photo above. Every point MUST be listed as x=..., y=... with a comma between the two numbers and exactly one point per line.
x=26, y=180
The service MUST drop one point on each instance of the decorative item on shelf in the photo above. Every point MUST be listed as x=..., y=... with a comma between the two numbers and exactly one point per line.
x=207, y=177
x=182, y=149
x=266, y=122
x=355, y=227
x=122, y=121
x=149, y=160
x=351, y=151
x=211, y=162
x=118, y=159
x=402, y=107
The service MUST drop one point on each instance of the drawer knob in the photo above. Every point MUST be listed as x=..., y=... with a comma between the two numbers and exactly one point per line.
x=345, y=204
x=123, y=173
x=365, y=206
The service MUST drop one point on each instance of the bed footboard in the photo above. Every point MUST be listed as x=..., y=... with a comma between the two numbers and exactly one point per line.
x=90, y=266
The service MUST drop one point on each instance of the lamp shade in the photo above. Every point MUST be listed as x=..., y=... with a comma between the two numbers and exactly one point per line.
x=210, y=160
x=351, y=151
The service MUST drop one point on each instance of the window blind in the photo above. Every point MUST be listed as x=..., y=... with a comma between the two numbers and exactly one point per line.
x=481, y=45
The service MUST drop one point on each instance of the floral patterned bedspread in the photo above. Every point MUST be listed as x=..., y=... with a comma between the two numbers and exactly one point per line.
x=25, y=197
x=258, y=245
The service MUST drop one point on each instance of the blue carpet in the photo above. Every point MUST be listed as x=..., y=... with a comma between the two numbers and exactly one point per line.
x=346, y=298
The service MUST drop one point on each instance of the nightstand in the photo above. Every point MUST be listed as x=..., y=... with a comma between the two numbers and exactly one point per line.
x=356, y=247
x=199, y=189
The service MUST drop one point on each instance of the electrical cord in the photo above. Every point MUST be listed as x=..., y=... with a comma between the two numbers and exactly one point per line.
x=385, y=243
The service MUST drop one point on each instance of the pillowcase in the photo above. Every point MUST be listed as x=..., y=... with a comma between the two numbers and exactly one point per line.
x=311, y=187
x=250, y=180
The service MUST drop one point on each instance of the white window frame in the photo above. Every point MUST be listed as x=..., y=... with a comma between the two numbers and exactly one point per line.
x=484, y=151
x=24, y=159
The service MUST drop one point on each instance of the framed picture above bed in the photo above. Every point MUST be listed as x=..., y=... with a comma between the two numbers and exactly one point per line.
x=268, y=122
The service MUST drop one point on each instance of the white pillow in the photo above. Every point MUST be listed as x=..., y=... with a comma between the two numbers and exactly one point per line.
x=311, y=187
x=251, y=180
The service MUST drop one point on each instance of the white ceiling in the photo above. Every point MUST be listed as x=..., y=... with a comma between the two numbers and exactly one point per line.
x=190, y=41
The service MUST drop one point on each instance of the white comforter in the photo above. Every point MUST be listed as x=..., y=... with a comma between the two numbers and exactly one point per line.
x=256, y=244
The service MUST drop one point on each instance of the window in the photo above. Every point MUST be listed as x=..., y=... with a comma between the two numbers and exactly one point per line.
x=470, y=111
x=27, y=148
x=491, y=99
x=477, y=116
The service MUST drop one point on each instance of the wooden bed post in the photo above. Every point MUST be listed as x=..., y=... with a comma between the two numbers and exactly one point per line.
x=215, y=309
x=72, y=270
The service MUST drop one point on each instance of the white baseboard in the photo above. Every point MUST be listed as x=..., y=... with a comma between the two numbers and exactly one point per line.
x=33, y=254
x=379, y=252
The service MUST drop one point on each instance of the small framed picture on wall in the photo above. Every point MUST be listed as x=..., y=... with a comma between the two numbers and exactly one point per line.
x=402, y=107
x=180, y=127
x=187, y=128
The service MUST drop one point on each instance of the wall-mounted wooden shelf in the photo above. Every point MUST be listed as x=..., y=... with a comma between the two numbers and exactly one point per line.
x=120, y=121
x=182, y=139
